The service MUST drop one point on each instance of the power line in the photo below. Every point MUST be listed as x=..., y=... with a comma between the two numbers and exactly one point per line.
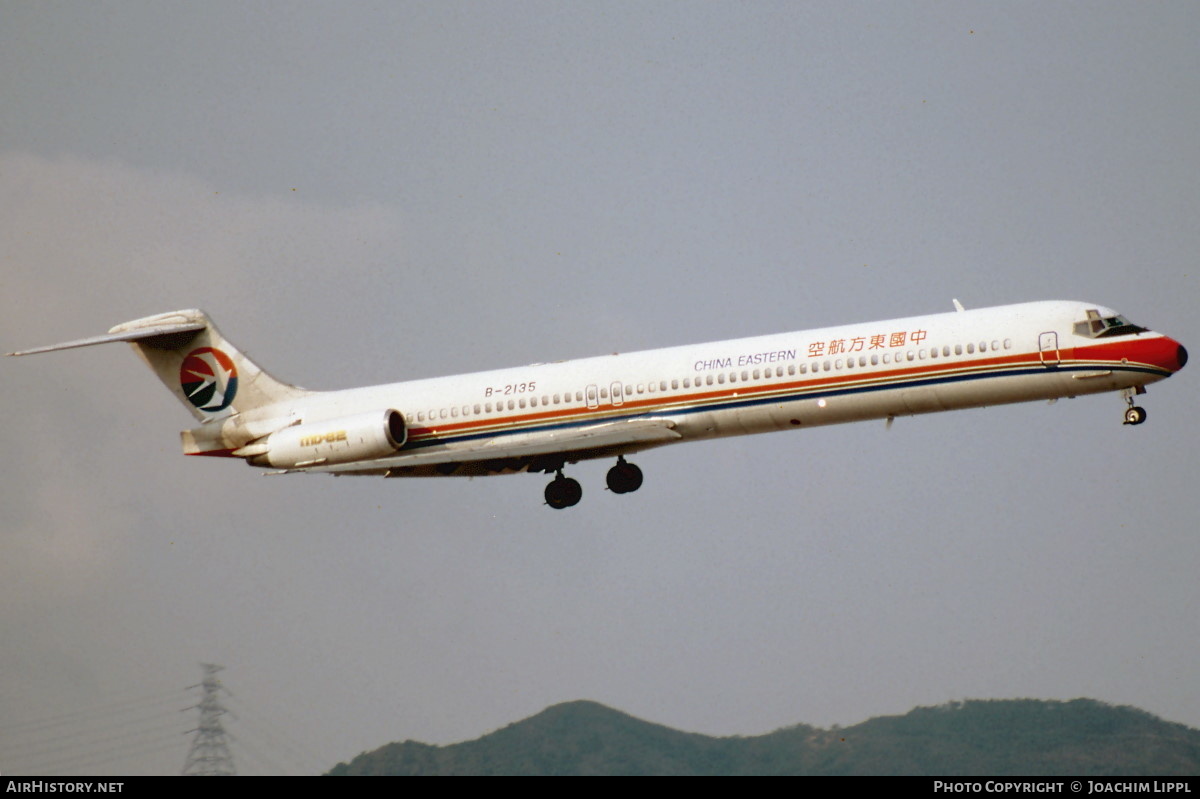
x=69, y=741
x=136, y=733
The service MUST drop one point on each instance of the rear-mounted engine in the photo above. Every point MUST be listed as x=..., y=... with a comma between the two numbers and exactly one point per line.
x=365, y=436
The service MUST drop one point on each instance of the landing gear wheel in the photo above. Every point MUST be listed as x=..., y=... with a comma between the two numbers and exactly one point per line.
x=563, y=492
x=1135, y=415
x=624, y=477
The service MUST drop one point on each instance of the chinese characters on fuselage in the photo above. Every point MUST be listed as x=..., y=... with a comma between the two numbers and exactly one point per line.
x=816, y=349
x=877, y=341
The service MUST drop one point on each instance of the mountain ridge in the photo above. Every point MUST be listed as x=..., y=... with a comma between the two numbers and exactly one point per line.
x=997, y=737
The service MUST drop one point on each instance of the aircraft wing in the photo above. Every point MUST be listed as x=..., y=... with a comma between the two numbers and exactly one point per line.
x=647, y=432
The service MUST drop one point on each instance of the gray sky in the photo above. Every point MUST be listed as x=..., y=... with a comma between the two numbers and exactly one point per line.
x=367, y=192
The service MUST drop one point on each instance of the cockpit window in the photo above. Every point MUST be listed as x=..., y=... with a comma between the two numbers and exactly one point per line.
x=1097, y=326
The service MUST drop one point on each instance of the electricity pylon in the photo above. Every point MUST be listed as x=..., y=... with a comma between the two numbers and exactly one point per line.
x=209, y=754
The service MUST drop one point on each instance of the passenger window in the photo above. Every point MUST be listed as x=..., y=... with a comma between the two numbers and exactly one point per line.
x=708, y=379
x=421, y=416
x=995, y=346
x=511, y=405
x=958, y=349
x=746, y=376
x=983, y=346
x=1008, y=343
x=792, y=368
x=946, y=350
x=970, y=349
x=920, y=354
x=674, y=385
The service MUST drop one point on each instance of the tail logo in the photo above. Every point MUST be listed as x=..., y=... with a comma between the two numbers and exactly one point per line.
x=209, y=379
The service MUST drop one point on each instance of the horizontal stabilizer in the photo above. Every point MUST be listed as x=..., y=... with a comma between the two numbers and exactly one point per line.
x=128, y=335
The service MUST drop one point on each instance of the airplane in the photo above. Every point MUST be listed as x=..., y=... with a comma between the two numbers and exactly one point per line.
x=541, y=417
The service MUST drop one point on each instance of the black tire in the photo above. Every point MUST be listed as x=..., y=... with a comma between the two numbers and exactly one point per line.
x=563, y=492
x=1135, y=415
x=624, y=478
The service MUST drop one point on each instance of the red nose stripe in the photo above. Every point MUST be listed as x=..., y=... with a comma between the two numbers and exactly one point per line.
x=1159, y=351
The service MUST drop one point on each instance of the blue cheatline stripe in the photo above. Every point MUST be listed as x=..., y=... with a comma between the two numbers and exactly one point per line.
x=802, y=394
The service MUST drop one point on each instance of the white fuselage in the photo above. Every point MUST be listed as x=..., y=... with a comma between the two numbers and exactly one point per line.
x=787, y=381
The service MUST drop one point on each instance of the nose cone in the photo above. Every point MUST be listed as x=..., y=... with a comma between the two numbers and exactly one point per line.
x=1168, y=354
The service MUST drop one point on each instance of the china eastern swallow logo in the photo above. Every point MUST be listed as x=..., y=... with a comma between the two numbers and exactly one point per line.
x=209, y=379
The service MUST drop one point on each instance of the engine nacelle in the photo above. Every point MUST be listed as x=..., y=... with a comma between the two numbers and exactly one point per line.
x=364, y=436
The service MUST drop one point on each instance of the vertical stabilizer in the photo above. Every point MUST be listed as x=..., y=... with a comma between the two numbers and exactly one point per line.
x=210, y=376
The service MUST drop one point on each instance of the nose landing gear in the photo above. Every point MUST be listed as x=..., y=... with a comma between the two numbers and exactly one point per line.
x=1133, y=414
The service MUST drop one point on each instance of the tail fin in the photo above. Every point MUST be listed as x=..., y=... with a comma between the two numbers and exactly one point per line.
x=210, y=376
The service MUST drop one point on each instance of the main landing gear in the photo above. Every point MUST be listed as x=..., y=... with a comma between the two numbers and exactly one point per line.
x=624, y=477
x=563, y=492
x=1133, y=414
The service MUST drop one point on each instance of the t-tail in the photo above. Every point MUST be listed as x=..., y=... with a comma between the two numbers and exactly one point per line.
x=213, y=379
